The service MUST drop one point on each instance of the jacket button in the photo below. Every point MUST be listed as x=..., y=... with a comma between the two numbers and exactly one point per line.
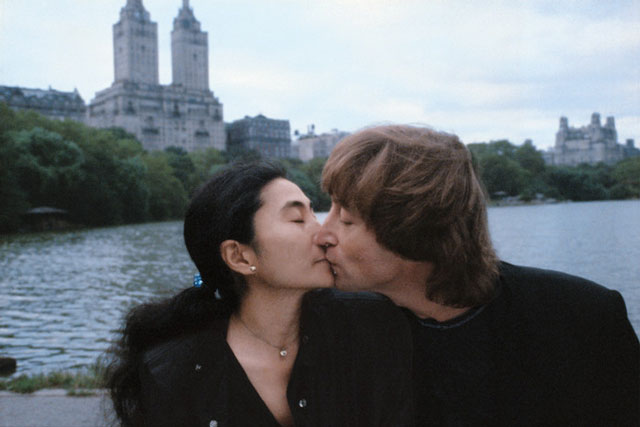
x=302, y=403
x=305, y=339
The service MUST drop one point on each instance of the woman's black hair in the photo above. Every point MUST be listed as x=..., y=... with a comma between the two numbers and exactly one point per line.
x=222, y=209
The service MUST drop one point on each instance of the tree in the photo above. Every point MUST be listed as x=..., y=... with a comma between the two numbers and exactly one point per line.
x=502, y=148
x=236, y=153
x=13, y=200
x=626, y=176
x=313, y=170
x=167, y=196
x=302, y=180
x=206, y=163
x=47, y=167
x=181, y=165
x=500, y=173
x=576, y=184
x=7, y=119
x=530, y=158
x=131, y=189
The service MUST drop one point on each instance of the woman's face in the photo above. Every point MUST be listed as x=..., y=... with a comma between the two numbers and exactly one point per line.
x=285, y=227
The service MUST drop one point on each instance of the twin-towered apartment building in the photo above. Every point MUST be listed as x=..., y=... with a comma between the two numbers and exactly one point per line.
x=185, y=113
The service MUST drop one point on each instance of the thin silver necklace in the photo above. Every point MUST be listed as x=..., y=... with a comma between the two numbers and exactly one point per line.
x=282, y=349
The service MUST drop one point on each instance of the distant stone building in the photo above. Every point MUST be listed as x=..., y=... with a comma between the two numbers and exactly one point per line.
x=184, y=113
x=590, y=144
x=51, y=103
x=270, y=137
x=311, y=146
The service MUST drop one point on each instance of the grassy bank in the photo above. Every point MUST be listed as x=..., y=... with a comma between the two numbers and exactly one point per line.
x=77, y=383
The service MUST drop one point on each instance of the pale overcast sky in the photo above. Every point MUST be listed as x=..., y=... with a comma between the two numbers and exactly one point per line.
x=485, y=70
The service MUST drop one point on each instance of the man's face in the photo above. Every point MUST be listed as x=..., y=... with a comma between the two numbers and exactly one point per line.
x=359, y=262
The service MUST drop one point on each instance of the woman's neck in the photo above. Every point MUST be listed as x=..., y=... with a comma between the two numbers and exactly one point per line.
x=263, y=334
x=272, y=315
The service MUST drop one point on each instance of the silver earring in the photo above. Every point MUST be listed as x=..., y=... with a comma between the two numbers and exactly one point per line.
x=252, y=268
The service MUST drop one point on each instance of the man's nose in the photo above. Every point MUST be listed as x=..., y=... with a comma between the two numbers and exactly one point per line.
x=325, y=237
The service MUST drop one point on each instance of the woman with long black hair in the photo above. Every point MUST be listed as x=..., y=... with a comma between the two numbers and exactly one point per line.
x=249, y=344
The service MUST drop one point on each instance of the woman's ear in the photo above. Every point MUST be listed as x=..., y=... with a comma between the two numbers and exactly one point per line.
x=237, y=256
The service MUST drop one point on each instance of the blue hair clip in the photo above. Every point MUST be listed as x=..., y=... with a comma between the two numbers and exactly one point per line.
x=197, y=281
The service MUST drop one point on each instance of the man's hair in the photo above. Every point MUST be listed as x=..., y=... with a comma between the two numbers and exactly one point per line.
x=416, y=189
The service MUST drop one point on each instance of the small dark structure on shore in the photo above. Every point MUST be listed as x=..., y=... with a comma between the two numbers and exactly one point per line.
x=45, y=218
x=8, y=365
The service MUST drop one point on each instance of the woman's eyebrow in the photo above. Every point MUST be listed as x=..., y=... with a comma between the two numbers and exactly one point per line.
x=293, y=204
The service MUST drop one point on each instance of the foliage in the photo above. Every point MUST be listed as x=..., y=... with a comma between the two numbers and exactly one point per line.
x=626, y=176
x=47, y=167
x=181, y=165
x=502, y=174
x=206, y=163
x=576, y=183
x=507, y=169
x=13, y=200
x=529, y=158
x=168, y=198
x=313, y=169
x=97, y=175
x=104, y=176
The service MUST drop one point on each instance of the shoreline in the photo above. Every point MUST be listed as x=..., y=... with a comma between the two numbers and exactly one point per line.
x=77, y=382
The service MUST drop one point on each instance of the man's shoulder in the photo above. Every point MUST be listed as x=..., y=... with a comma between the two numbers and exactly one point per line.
x=534, y=280
x=543, y=292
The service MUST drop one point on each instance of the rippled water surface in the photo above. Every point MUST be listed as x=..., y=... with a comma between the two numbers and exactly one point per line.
x=63, y=295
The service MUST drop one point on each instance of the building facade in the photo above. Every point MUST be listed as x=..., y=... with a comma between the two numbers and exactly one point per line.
x=312, y=146
x=51, y=103
x=590, y=144
x=270, y=137
x=185, y=113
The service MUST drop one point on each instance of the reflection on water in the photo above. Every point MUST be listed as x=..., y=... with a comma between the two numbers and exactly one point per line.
x=63, y=295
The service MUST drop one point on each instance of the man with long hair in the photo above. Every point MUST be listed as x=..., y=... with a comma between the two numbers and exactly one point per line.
x=494, y=343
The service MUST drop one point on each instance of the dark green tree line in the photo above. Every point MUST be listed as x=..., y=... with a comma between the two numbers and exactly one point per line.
x=507, y=169
x=104, y=176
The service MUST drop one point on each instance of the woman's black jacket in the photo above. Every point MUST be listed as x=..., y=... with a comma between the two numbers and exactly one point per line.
x=353, y=368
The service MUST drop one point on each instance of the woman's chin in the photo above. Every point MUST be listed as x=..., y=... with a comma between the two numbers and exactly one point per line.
x=326, y=282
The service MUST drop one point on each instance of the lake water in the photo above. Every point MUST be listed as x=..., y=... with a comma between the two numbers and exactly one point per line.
x=63, y=295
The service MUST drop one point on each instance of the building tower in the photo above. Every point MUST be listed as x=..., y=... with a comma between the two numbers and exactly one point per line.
x=183, y=114
x=135, y=45
x=189, y=51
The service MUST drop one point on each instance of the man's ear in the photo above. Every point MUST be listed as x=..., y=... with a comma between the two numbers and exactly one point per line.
x=237, y=256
